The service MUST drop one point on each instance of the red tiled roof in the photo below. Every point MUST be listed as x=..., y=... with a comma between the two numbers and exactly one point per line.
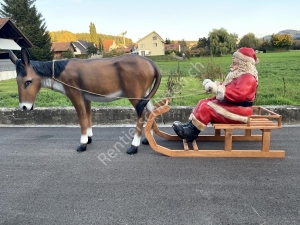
x=172, y=46
x=107, y=44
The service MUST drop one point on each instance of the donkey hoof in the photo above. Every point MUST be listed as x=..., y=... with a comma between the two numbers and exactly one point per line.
x=81, y=147
x=132, y=150
x=89, y=140
x=145, y=141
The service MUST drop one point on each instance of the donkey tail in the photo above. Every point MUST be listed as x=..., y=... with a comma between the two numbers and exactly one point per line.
x=143, y=102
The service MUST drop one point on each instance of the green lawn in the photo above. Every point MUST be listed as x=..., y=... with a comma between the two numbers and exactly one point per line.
x=279, y=82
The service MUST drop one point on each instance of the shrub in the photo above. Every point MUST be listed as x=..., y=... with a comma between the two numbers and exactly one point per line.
x=211, y=71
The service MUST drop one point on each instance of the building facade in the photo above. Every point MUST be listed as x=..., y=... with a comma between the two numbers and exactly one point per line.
x=151, y=45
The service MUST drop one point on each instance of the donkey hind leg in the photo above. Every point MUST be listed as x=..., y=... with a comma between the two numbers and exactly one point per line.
x=133, y=149
x=150, y=107
x=139, y=106
x=89, y=130
x=139, y=128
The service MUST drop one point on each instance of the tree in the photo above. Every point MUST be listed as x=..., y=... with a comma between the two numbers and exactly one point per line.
x=265, y=46
x=281, y=40
x=221, y=42
x=202, y=43
x=92, y=49
x=68, y=54
x=167, y=41
x=93, y=34
x=31, y=23
x=249, y=40
x=62, y=36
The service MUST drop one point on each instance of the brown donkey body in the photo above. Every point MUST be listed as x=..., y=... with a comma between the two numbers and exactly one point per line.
x=83, y=81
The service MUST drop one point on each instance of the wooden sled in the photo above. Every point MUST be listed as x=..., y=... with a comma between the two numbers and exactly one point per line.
x=263, y=119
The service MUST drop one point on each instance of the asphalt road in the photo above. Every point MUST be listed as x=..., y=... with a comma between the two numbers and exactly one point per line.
x=43, y=180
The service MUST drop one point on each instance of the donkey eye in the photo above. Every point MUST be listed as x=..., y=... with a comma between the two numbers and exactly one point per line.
x=27, y=83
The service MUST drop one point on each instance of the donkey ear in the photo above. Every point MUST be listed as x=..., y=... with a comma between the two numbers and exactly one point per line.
x=12, y=57
x=25, y=56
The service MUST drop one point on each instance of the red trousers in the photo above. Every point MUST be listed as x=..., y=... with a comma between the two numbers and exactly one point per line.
x=221, y=113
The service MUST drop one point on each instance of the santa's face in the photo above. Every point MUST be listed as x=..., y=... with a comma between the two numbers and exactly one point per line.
x=234, y=65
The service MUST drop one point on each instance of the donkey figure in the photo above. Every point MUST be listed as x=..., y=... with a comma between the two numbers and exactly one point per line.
x=86, y=80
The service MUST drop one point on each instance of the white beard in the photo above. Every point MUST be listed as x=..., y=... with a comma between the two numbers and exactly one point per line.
x=234, y=73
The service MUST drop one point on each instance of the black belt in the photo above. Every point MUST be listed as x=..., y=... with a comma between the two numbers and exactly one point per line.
x=244, y=103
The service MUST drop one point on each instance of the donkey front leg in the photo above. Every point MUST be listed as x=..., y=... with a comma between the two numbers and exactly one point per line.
x=84, y=140
x=88, y=109
x=79, y=105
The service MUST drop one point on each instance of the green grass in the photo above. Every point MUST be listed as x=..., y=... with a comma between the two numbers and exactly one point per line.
x=279, y=82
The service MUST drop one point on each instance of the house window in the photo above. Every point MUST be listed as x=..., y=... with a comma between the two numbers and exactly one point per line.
x=142, y=46
x=154, y=38
x=154, y=44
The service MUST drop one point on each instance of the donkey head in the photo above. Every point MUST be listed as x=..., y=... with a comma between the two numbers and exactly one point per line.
x=29, y=82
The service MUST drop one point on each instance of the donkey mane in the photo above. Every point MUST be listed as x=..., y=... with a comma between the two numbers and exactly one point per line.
x=43, y=69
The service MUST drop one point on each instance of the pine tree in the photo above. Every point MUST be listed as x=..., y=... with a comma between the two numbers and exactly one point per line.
x=31, y=23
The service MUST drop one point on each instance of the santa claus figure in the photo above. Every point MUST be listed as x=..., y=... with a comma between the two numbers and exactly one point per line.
x=233, y=98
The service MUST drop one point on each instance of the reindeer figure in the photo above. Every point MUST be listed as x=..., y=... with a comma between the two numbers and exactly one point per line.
x=86, y=80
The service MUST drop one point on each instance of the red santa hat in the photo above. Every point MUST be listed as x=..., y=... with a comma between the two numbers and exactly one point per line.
x=247, y=55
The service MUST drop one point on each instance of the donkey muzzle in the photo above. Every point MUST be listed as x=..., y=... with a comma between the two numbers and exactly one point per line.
x=26, y=106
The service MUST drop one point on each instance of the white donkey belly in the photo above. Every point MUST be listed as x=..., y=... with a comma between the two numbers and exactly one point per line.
x=104, y=98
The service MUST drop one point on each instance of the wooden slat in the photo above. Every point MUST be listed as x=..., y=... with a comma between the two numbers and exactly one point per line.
x=185, y=145
x=235, y=137
x=266, y=139
x=243, y=127
x=228, y=140
x=233, y=153
x=195, y=146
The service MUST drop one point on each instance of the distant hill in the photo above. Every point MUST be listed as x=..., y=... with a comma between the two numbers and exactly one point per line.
x=67, y=36
x=294, y=33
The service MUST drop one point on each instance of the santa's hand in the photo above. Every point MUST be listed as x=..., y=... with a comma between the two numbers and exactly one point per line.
x=205, y=82
x=211, y=87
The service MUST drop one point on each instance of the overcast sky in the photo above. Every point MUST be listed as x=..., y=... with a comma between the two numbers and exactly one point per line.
x=176, y=20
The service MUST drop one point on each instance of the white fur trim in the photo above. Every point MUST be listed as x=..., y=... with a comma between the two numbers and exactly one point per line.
x=211, y=87
x=229, y=115
x=198, y=124
x=244, y=57
x=205, y=82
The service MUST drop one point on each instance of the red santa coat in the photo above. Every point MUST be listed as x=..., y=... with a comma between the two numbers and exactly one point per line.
x=231, y=105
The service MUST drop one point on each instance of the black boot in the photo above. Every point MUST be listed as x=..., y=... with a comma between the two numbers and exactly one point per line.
x=186, y=131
